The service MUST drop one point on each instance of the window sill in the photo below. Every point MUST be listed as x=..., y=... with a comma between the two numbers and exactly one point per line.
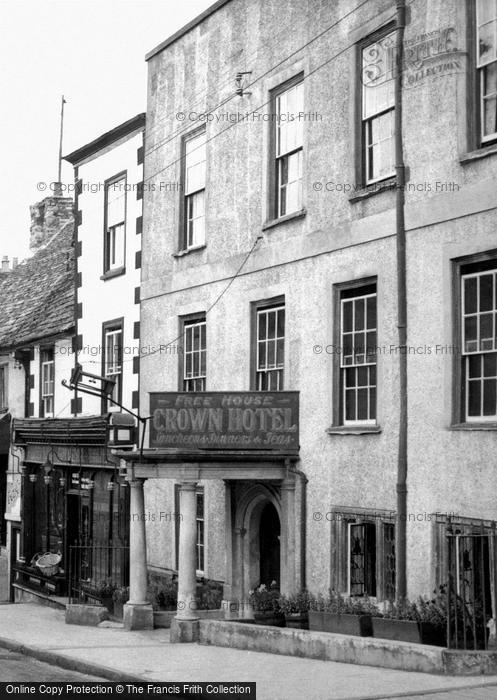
x=353, y=430
x=113, y=273
x=283, y=219
x=374, y=188
x=193, y=249
x=473, y=426
x=478, y=154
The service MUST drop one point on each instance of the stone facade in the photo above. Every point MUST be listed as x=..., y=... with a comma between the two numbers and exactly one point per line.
x=342, y=233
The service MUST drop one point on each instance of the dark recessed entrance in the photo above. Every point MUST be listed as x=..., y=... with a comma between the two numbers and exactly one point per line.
x=269, y=542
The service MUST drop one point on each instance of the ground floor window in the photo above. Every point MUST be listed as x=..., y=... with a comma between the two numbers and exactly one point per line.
x=363, y=552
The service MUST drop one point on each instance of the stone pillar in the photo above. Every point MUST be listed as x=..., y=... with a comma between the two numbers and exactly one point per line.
x=185, y=626
x=288, y=583
x=229, y=605
x=138, y=612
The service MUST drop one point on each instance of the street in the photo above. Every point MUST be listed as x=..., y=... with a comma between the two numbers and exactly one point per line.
x=17, y=667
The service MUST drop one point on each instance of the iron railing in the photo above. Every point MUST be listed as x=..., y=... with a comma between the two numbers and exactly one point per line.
x=95, y=570
x=471, y=586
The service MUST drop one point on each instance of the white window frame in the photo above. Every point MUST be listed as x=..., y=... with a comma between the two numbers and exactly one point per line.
x=200, y=547
x=194, y=380
x=482, y=67
x=195, y=156
x=467, y=354
x=264, y=371
x=112, y=369
x=115, y=231
x=385, y=77
x=344, y=366
x=47, y=384
x=287, y=153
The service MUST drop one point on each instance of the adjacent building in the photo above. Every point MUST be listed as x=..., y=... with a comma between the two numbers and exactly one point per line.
x=269, y=262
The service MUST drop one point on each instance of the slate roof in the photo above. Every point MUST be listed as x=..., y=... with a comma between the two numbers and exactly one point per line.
x=37, y=297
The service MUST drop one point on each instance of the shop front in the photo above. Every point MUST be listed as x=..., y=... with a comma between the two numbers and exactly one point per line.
x=250, y=441
x=74, y=510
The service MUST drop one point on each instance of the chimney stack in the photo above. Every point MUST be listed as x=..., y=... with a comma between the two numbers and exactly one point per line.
x=5, y=263
x=15, y=262
x=47, y=218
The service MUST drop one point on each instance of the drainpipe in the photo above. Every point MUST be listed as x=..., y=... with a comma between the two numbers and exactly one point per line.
x=401, y=558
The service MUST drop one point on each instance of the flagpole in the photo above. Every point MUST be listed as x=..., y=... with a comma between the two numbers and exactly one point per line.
x=60, y=139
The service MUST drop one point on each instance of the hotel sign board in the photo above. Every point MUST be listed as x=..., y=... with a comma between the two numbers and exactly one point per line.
x=241, y=420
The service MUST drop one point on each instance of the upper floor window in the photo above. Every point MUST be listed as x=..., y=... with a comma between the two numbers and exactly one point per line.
x=479, y=342
x=486, y=61
x=47, y=382
x=3, y=387
x=113, y=361
x=194, y=354
x=270, y=348
x=288, y=109
x=114, y=224
x=378, y=109
x=358, y=355
x=193, y=234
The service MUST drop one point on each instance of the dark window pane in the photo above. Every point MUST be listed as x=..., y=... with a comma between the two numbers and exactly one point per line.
x=486, y=327
x=489, y=397
x=359, y=339
x=271, y=353
x=372, y=375
x=280, y=351
x=347, y=316
x=203, y=355
x=470, y=295
x=470, y=328
x=359, y=314
x=490, y=365
x=362, y=378
x=350, y=405
x=271, y=323
x=371, y=312
x=372, y=404
x=474, y=398
x=474, y=368
x=347, y=344
x=371, y=346
x=262, y=326
x=262, y=354
x=362, y=404
x=281, y=323
x=350, y=377
x=486, y=292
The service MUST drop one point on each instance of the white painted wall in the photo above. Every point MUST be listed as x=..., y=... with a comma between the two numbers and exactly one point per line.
x=105, y=300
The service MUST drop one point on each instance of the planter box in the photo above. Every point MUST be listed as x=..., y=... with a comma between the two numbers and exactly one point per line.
x=408, y=631
x=356, y=625
x=269, y=618
x=299, y=621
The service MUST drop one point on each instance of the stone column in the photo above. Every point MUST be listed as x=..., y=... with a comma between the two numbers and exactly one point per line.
x=185, y=626
x=138, y=612
x=229, y=605
x=288, y=583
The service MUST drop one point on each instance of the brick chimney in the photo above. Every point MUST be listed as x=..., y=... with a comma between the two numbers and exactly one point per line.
x=48, y=217
x=5, y=264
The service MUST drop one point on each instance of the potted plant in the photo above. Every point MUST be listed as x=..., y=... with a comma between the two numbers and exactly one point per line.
x=296, y=609
x=421, y=622
x=341, y=615
x=265, y=603
x=120, y=596
x=104, y=590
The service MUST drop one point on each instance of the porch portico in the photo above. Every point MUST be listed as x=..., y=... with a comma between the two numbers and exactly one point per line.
x=262, y=532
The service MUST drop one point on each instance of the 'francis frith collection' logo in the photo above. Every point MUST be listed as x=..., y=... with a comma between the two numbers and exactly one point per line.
x=428, y=55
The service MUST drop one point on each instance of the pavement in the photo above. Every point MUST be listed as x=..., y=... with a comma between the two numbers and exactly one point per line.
x=109, y=651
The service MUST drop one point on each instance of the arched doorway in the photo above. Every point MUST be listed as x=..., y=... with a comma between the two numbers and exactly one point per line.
x=269, y=545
